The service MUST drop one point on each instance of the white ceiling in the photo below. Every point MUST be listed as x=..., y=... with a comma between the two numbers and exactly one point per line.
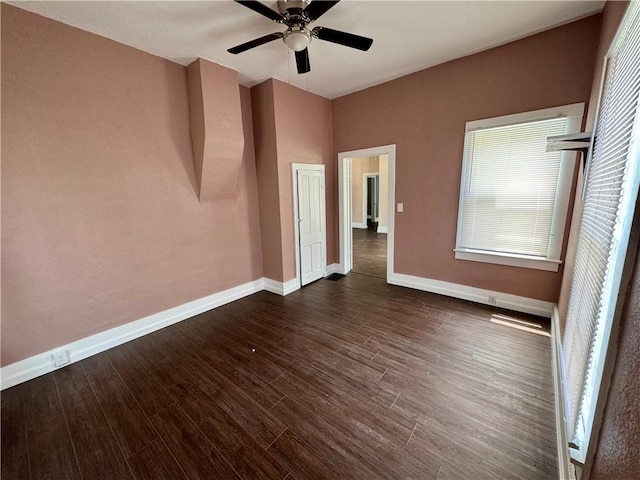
x=408, y=35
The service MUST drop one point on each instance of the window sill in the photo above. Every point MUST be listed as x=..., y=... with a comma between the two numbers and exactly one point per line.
x=512, y=260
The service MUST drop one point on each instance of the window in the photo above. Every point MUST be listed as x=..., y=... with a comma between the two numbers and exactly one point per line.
x=610, y=194
x=514, y=194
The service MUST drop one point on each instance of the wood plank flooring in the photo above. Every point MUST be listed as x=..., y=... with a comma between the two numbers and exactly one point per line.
x=353, y=379
x=369, y=253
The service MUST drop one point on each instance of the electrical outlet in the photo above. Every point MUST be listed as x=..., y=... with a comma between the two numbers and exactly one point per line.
x=492, y=300
x=60, y=358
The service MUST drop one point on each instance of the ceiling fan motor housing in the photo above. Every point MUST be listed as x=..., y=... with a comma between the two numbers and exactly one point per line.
x=297, y=37
x=292, y=10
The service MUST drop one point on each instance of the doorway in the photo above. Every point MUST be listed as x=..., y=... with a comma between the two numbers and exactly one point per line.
x=371, y=197
x=369, y=180
x=366, y=210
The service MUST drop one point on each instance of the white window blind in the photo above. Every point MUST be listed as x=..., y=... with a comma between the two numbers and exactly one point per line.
x=611, y=188
x=511, y=184
x=514, y=194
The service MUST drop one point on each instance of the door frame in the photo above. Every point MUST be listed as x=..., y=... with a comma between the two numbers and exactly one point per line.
x=345, y=204
x=296, y=217
x=365, y=188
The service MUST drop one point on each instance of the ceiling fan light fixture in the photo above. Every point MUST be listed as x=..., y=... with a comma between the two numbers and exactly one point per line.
x=297, y=40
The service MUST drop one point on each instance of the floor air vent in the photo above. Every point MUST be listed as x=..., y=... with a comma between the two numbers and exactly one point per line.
x=334, y=277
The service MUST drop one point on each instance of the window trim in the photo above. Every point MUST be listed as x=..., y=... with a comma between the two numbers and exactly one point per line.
x=574, y=113
x=510, y=259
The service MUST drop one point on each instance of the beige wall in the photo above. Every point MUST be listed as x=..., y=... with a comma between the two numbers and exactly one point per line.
x=101, y=222
x=291, y=126
x=425, y=113
x=383, y=166
x=359, y=167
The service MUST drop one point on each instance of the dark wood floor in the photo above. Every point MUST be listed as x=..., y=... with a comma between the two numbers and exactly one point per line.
x=369, y=253
x=351, y=379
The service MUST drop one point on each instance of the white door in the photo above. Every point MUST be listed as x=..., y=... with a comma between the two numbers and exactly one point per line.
x=312, y=229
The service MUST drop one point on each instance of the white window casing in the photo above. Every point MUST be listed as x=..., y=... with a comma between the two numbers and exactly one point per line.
x=514, y=195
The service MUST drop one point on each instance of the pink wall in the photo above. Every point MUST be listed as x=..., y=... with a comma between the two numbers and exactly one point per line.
x=101, y=222
x=303, y=133
x=291, y=126
x=264, y=127
x=216, y=128
x=618, y=449
x=196, y=120
x=425, y=113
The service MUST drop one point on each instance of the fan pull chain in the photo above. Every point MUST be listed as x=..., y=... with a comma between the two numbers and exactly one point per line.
x=288, y=62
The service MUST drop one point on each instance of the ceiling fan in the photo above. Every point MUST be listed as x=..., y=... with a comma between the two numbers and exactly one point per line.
x=297, y=15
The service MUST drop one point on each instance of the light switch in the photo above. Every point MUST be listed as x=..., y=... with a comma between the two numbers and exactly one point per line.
x=400, y=207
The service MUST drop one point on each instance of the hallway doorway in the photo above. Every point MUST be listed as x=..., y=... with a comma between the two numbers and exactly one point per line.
x=366, y=180
x=369, y=184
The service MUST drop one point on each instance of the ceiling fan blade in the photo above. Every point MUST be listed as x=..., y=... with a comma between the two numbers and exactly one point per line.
x=302, y=61
x=342, y=38
x=262, y=10
x=255, y=43
x=317, y=8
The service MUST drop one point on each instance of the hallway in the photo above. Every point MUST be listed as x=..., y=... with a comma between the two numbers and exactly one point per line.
x=369, y=253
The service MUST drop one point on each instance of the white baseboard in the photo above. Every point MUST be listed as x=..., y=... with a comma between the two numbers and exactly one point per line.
x=333, y=268
x=383, y=229
x=42, y=363
x=358, y=225
x=281, y=288
x=565, y=467
x=478, y=295
x=339, y=268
